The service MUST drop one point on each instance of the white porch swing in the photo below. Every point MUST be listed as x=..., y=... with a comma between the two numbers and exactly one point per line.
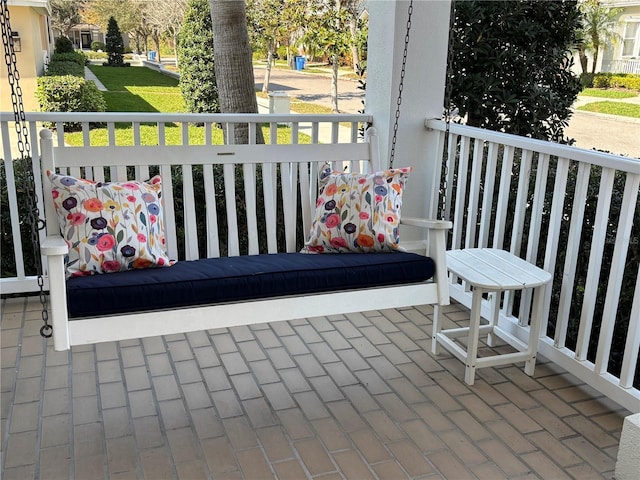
x=115, y=221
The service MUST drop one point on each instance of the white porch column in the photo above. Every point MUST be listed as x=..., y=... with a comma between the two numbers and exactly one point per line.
x=423, y=92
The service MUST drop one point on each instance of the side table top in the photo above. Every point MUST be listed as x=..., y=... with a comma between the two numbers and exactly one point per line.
x=495, y=269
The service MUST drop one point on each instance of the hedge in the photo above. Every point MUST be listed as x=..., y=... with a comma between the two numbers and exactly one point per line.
x=69, y=93
x=59, y=68
x=617, y=80
x=77, y=57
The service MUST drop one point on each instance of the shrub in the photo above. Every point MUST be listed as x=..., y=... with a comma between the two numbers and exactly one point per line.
x=57, y=68
x=69, y=94
x=77, y=57
x=95, y=46
x=632, y=82
x=602, y=80
x=63, y=45
x=96, y=55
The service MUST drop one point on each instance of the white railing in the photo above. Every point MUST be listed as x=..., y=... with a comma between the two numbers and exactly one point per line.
x=137, y=129
x=622, y=66
x=571, y=212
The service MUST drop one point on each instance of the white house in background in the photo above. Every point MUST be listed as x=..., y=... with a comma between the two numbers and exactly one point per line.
x=33, y=43
x=624, y=56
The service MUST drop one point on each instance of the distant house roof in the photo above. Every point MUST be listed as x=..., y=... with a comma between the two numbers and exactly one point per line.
x=42, y=6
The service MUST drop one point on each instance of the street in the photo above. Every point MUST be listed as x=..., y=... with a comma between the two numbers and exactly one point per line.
x=618, y=135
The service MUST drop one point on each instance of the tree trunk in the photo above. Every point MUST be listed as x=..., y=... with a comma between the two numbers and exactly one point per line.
x=156, y=41
x=583, y=60
x=595, y=58
x=355, y=56
x=233, y=66
x=267, y=72
x=334, y=83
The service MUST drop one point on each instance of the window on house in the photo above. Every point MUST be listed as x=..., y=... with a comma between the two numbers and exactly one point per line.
x=631, y=39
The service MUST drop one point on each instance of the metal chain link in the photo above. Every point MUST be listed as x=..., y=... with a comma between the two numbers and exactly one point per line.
x=448, y=92
x=401, y=85
x=22, y=131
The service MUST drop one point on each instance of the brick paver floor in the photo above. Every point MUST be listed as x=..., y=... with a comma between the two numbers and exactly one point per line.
x=354, y=397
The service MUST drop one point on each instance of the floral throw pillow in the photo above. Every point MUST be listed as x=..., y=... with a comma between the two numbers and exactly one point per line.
x=357, y=212
x=110, y=227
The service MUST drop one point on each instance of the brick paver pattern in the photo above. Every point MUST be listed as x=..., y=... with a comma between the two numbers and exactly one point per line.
x=353, y=397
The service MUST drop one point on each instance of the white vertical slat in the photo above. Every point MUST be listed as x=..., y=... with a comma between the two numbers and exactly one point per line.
x=86, y=139
x=162, y=138
x=288, y=180
x=434, y=189
x=185, y=133
x=449, y=174
x=618, y=261
x=60, y=134
x=295, y=133
x=632, y=345
x=553, y=235
x=503, y=197
x=115, y=173
x=75, y=172
x=335, y=132
x=233, y=243
x=487, y=194
x=249, y=174
x=208, y=136
x=572, y=252
x=595, y=262
x=231, y=133
x=37, y=179
x=305, y=199
x=315, y=129
x=474, y=193
x=13, y=206
x=190, y=221
x=169, y=212
x=273, y=133
x=269, y=182
x=461, y=191
x=521, y=202
x=211, y=213
x=142, y=171
x=519, y=214
x=539, y=194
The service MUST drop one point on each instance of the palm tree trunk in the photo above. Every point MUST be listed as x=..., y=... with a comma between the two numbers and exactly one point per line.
x=355, y=56
x=233, y=66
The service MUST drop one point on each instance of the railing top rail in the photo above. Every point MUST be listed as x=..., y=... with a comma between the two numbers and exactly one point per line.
x=617, y=162
x=185, y=117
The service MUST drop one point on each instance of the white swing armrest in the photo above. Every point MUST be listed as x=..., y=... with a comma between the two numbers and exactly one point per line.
x=54, y=245
x=426, y=223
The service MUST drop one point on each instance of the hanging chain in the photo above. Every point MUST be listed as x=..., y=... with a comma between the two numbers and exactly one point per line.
x=448, y=92
x=24, y=148
x=401, y=85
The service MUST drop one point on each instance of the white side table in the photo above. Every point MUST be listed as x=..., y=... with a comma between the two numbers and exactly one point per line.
x=489, y=270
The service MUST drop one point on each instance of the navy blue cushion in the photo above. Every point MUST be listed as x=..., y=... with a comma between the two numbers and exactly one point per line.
x=217, y=280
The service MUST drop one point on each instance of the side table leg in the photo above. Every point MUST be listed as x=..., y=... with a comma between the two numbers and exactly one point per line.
x=534, y=328
x=472, y=342
x=435, y=329
x=495, y=312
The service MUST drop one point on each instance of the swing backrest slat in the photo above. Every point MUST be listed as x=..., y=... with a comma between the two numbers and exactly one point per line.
x=220, y=200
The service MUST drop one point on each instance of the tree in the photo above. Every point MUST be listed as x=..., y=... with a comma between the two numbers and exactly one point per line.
x=114, y=45
x=511, y=65
x=233, y=63
x=128, y=13
x=65, y=14
x=165, y=17
x=598, y=29
x=327, y=32
x=195, y=49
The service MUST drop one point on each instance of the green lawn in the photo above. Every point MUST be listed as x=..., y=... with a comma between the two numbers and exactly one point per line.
x=607, y=93
x=613, y=108
x=141, y=89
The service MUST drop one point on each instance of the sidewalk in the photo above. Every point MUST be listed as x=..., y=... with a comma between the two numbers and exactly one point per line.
x=88, y=75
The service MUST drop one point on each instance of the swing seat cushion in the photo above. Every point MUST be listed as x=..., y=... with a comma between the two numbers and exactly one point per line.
x=229, y=279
